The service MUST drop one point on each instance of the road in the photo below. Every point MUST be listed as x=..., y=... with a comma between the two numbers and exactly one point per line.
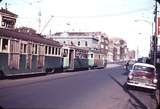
x=92, y=89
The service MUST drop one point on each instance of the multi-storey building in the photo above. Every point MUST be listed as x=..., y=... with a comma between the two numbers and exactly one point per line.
x=131, y=54
x=117, y=49
x=7, y=19
x=93, y=40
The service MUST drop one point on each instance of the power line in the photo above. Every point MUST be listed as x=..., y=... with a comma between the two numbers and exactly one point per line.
x=109, y=15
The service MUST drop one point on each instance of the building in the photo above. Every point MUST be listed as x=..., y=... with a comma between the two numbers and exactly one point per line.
x=103, y=42
x=131, y=54
x=117, y=49
x=93, y=40
x=7, y=19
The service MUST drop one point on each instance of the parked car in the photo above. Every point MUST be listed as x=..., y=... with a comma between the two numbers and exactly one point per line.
x=143, y=75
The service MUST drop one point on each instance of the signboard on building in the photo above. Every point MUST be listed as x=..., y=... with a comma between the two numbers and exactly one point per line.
x=158, y=26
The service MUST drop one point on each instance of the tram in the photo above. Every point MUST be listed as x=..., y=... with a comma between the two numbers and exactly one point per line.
x=96, y=59
x=75, y=58
x=25, y=53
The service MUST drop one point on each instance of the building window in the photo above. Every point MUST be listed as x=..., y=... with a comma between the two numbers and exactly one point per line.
x=102, y=46
x=5, y=45
x=86, y=44
x=91, y=55
x=79, y=43
x=71, y=43
x=3, y=23
x=106, y=47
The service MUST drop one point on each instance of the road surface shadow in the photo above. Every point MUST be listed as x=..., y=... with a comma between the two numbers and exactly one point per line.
x=1, y=107
x=125, y=73
x=140, y=104
x=44, y=80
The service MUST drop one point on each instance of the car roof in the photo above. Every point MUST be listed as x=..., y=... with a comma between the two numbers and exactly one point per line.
x=144, y=64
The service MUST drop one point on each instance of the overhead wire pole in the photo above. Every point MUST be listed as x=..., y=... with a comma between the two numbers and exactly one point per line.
x=39, y=12
x=155, y=36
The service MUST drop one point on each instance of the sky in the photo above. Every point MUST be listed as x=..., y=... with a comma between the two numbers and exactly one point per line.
x=131, y=20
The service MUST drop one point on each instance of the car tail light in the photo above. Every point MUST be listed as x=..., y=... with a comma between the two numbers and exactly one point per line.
x=130, y=76
x=155, y=80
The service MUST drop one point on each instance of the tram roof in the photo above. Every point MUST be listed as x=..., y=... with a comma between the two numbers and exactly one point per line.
x=37, y=38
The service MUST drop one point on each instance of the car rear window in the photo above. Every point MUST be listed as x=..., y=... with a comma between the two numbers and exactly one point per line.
x=143, y=68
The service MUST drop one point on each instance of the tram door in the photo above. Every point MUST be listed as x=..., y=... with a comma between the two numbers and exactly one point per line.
x=41, y=57
x=71, y=59
x=14, y=55
x=29, y=56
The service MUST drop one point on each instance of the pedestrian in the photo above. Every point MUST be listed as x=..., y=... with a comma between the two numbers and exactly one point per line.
x=127, y=66
x=105, y=63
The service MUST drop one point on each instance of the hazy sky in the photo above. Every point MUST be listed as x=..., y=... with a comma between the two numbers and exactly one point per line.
x=114, y=17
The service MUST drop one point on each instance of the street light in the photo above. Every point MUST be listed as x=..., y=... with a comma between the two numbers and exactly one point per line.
x=143, y=20
x=139, y=33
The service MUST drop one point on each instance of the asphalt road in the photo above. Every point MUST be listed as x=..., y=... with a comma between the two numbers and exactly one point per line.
x=93, y=89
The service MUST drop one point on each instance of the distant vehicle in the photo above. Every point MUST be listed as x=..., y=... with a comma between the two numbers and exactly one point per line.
x=76, y=58
x=143, y=75
x=144, y=60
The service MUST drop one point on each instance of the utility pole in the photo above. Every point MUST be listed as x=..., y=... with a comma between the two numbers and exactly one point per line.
x=39, y=12
x=39, y=20
x=155, y=36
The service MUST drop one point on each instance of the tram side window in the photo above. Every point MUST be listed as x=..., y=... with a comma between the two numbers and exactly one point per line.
x=4, y=44
x=33, y=47
x=36, y=49
x=49, y=50
x=46, y=49
x=52, y=50
x=23, y=48
x=56, y=51
x=59, y=51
